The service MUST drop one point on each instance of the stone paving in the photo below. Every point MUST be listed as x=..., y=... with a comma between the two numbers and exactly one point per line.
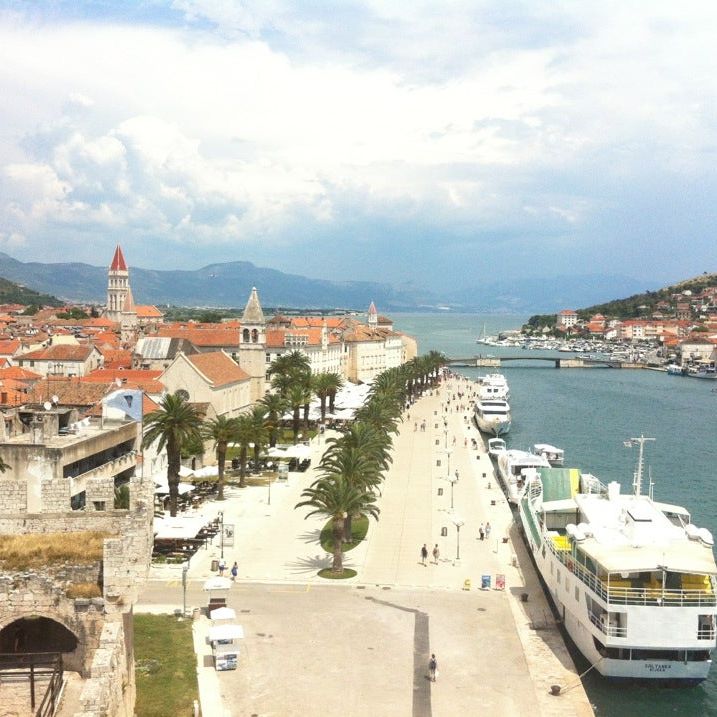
x=517, y=641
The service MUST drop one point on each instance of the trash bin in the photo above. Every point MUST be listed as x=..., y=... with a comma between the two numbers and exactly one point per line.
x=215, y=566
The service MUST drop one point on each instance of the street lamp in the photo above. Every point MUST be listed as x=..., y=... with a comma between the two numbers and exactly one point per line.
x=448, y=462
x=458, y=523
x=221, y=528
x=453, y=481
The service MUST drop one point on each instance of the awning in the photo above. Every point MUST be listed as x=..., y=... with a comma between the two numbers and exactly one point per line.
x=217, y=583
x=223, y=613
x=162, y=488
x=178, y=527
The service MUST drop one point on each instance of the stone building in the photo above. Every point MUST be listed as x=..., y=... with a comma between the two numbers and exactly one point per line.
x=41, y=609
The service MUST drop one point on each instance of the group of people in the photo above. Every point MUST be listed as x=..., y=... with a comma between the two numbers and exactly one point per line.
x=484, y=531
x=424, y=554
x=233, y=572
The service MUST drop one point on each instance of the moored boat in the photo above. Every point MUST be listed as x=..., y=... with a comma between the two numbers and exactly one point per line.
x=555, y=456
x=513, y=468
x=632, y=579
x=492, y=416
x=496, y=446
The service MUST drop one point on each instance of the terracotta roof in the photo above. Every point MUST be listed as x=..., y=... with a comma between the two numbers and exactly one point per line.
x=8, y=348
x=61, y=352
x=19, y=373
x=203, y=337
x=118, y=262
x=110, y=374
x=218, y=368
x=70, y=392
x=13, y=392
x=146, y=311
x=106, y=337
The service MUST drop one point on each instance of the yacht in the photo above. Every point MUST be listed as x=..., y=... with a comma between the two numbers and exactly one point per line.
x=632, y=579
x=492, y=416
x=513, y=466
x=493, y=385
x=496, y=446
x=555, y=456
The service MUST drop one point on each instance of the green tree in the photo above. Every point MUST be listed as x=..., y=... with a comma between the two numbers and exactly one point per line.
x=260, y=427
x=174, y=423
x=244, y=436
x=336, y=498
x=221, y=430
x=275, y=405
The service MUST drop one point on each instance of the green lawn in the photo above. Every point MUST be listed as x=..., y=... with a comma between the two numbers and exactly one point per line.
x=359, y=528
x=165, y=666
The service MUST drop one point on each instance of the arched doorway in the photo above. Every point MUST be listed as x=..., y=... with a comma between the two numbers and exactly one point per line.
x=36, y=634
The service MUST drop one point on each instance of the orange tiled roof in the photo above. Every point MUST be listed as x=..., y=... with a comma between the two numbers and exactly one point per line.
x=218, y=368
x=202, y=336
x=147, y=311
x=110, y=374
x=10, y=347
x=19, y=373
x=60, y=352
x=13, y=392
x=70, y=392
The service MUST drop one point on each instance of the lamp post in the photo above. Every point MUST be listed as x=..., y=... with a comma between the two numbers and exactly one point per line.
x=458, y=523
x=184, y=590
x=448, y=462
x=453, y=482
x=221, y=534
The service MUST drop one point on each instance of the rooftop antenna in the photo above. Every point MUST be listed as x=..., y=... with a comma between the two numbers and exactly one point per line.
x=637, y=475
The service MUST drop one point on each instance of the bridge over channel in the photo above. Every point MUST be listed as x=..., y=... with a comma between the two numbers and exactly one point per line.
x=559, y=362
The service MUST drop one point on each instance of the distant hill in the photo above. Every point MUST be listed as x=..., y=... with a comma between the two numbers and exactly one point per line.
x=12, y=293
x=228, y=285
x=629, y=308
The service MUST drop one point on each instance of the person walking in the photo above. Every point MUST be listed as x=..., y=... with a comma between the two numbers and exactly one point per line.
x=481, y=532
x=234, y=571
x=222, y=567
x=424, y=554
x=436, y=554
x=487, y=531
x=432, y=668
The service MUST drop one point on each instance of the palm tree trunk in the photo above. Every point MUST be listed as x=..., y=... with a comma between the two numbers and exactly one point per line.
x=338, y=531
x=221, y=460
x=173, y=463
x=296, y=423
x=332, y=399
x=323, y=408
x=242, y=467
x=306, y=417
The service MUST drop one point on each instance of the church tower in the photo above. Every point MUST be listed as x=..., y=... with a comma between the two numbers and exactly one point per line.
x=252, y=345
x=372, y=316
x=117, y=286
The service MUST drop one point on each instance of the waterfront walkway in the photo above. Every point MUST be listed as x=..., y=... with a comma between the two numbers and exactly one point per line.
x=496, y=652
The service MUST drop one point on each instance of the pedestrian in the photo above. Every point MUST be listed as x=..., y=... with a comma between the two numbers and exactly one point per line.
x=436, y=554
x=415, y=426
x=432, y=668
x=222, y=567
x=424, y=554
x=457, y=476
x=234, y=571
x=487, y=531
x=481, y=532
x=465, y=442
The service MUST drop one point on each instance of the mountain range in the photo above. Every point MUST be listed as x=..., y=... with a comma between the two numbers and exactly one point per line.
x=229, y=284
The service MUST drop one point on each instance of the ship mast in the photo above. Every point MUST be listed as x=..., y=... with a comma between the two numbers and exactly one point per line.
x=637, y=475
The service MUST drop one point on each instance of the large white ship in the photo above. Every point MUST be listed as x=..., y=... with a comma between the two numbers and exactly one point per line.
x=633, y=580
x=513, y=466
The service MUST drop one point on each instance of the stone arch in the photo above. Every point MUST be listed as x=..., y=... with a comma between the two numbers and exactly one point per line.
x=245, y=336
x=254, y=336
x=38, y=633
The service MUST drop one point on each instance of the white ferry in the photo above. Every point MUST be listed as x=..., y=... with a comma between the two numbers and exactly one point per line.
x=633, y=580
x=514, y=466
x=492, y=416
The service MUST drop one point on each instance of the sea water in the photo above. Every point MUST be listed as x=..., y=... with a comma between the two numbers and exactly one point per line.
x=590, y=413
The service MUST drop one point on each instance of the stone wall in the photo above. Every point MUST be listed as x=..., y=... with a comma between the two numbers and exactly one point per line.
x=110, y=689
x=100, y=491
x=13, y=496
x=55, y=495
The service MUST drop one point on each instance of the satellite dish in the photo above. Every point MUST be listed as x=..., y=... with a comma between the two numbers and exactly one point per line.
x=118, y=382
x=55, y=398
x=47, y=405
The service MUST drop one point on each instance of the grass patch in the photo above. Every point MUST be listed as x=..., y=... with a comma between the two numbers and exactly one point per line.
x=165, y=666
x=83, y=590
x=359, y=528
x=329, y=574
x=23, y=552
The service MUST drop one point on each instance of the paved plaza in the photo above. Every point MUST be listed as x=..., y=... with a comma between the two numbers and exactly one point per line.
x=362, y=647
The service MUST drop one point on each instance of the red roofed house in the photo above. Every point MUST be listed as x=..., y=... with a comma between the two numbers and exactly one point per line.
x=10, y=349
x=566, y=319
x=212, y=378
x=62, y=360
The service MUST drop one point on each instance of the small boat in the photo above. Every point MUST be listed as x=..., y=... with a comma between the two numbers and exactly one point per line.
x=514, y=467
x=633, y=580
x=496, y=446
x=555, y=456
x=706, y=372
x=492, y=416
x=674, y=369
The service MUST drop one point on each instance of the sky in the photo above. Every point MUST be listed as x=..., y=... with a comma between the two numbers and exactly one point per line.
x=439, y=145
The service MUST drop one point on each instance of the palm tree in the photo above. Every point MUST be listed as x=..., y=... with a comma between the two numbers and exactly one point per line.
x=337, y=498
x=260, y=429
x=174, y=423
x=244, y=435
x=336, y=384
x=296, y=398
x=221, y=431
x=325, y=386
x=275, y=406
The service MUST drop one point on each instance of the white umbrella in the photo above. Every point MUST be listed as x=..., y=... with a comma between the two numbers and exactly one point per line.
x=299, y=451
x=185, y=472
x=182, y=488
x=223, y=613
x=206, y=472
x=226, y=632
x=217, y=583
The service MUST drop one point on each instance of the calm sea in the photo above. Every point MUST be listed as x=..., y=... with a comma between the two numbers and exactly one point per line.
x=589, y=413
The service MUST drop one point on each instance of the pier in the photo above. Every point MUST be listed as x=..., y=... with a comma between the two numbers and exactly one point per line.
x=481, y=361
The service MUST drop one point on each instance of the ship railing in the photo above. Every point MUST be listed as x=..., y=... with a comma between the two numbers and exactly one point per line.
x=627, y=595
x=706, y=633
x=609, y=630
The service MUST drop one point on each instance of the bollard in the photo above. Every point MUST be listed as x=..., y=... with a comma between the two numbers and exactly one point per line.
x=444, y=532
x=440, y=491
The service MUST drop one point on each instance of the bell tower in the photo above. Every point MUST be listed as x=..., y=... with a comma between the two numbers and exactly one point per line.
x=117, y=286
x=252, y=344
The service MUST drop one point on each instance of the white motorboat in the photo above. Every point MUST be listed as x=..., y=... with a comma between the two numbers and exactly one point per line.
x=512, y=468
x=555, y=456
x=492, y=416
x=493, y=385
x=633, y=580
x=496, y=446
